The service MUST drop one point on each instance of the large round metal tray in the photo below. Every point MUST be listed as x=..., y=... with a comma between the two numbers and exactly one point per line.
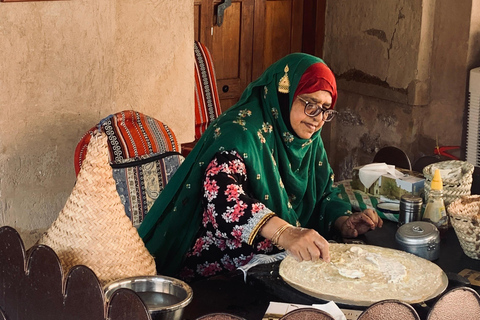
x=363, y=299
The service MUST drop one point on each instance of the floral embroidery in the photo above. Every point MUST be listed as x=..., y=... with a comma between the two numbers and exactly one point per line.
x=261, y=137
x=233, y=191
x=221, y=244
x=220, y=234
x=225, y=168
x=237, y=232
x=265, y=90
x=209, y=269
x=213, y=168
x=240, y=122
x=265, y=246
x=275, y=113
x=257, y=207
x=267, y=127
x=237, y=167
x=209, y=216
x=228, y=263
x=320, y=163
x=234, y=243
x=242, y=260
x=244, y=113
x=288, y=137
x=234, y=213
x=197, y=247
x=307, y=143
x=229, y=220
x=216, y=133
x=203, y=243
x=273, y=160
x=211, y=189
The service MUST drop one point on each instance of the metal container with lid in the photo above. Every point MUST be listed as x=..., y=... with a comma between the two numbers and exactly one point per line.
x=420, y=238
x=410, y=209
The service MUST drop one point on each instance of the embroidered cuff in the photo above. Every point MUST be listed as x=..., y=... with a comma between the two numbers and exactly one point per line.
x=255, y=223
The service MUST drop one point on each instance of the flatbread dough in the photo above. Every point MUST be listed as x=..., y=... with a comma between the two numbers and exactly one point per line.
x=363, y=274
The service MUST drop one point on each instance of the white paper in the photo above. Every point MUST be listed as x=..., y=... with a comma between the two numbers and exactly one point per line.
x=332, y=308
x=370, y=173
x=278, y=309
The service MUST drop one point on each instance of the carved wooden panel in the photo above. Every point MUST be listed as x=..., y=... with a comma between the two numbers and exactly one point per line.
x=12, y=273
x=126, y=305
x=32, y=287
x=42, y=293
x=83, y=289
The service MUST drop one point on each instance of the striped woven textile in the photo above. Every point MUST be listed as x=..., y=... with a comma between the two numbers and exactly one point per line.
x=131, y=136
x=143, y=153
x=207, y=103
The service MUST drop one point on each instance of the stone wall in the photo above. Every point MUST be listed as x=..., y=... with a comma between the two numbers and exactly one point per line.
x=402, y=69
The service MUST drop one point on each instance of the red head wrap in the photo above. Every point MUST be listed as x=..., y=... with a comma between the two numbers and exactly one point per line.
x=317, y=77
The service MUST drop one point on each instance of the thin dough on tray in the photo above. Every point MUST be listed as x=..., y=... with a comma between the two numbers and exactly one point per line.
x=362, y=274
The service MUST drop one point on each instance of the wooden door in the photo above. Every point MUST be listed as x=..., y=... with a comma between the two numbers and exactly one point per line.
x=253, y=35
x=278, y=31
x=230, y=45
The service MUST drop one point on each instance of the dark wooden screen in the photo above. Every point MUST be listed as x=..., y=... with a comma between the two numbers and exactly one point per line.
x=32, y=287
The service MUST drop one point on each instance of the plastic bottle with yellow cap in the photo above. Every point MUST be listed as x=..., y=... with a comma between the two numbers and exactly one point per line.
x=435, y=210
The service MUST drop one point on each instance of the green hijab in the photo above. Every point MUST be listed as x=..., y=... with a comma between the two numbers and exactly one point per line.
x=291, y=176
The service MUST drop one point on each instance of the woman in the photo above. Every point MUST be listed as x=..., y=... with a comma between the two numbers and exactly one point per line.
x=257, y=180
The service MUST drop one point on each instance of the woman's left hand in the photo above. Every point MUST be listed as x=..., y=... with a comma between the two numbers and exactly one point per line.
x=358, y=223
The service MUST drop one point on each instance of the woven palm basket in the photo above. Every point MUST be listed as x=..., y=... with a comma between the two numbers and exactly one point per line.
x=456, y=183
x=93, y=229
x=465, y=218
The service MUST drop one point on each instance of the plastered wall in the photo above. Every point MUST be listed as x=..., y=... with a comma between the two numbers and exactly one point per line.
x=65, y=65
x=402, y=69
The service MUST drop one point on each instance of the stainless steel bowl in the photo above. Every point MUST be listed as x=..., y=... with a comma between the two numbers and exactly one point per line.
x=164, y=297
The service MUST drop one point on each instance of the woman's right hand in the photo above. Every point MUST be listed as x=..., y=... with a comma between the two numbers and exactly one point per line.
x=304, y=244
x=301, y=243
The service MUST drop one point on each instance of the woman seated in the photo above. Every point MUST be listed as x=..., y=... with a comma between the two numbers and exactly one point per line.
x=258, y=180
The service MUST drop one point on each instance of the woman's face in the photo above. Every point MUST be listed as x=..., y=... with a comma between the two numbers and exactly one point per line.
x=303, y=125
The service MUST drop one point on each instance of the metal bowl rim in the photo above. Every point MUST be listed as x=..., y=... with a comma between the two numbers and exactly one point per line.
x=116, y=284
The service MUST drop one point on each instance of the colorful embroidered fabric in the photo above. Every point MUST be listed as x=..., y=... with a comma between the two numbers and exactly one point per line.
x=207, y=103
x=228, y=236
x=144, y=156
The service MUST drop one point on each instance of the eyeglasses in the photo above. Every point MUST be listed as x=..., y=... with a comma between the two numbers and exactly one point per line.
x=313, y=110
